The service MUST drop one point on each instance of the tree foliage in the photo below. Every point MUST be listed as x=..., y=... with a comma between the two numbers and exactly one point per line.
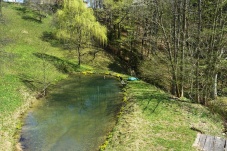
x=186, y=38
x=77, y=25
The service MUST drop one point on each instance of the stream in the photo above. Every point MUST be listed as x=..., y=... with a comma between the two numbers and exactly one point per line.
x=76, y=115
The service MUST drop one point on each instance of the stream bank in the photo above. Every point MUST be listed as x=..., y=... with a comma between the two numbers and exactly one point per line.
x=78, y=112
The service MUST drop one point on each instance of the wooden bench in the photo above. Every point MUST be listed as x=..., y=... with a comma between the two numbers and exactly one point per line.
x=210, y=143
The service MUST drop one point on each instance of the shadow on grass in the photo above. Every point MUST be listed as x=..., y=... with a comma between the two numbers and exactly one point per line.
x=155, y=100
x=153, y=110
x=116, y=67
x=48, y=36
x=125, y=60
x=150, y=100
x=4, y=41
x=154, y=97
x=29, y=82
x=28, y=14
x=21, y=10
x=51, y=37
x=30, y=18
x=63, y=66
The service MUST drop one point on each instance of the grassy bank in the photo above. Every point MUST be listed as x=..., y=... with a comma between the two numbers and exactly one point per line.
x=152, y=120
x=19, y=40
x=30, y=59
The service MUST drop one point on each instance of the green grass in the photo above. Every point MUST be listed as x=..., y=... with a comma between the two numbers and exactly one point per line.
x=9, y=96
x=219, y=106
x=22, y=37
x=153, y=121
x=19, y=40
x=150, y=120
x=22, y=40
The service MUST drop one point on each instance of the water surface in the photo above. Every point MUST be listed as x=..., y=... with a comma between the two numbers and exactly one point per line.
x=76, y=116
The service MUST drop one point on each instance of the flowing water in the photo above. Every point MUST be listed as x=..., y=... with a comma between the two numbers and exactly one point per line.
x=76, y=116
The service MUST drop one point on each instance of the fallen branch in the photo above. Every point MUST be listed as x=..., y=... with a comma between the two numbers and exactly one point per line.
x=196, y=129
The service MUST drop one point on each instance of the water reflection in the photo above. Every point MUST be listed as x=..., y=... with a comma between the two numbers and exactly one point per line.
x=75, y=117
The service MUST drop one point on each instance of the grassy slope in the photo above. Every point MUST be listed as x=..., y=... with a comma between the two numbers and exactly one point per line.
x=153, y=121
x=23, y=40
x=150, y=119
x=20, y=39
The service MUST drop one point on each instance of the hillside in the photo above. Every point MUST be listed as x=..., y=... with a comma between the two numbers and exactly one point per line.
x=32, y=59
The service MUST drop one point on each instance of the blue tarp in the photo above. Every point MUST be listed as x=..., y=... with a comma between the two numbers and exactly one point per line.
x=132, y=79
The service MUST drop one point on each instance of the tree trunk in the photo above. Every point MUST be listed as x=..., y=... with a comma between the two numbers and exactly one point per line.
x=198, y=52
x=79, y=46
x=215, y=86
x=175, y=88
x=183, y=47
x=79, y=55
x=0, y=9
x=119, y=31
x=44, y=76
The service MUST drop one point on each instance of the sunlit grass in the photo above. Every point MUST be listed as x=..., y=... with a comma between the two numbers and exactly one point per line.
x=20, y=39
x=154, y=121
x=22, y=71
x=9, y=96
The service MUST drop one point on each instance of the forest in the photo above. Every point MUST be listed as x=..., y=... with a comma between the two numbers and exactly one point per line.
x=177, y=46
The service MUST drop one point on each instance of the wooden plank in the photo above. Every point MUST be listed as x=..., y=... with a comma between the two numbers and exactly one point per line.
x=202, y=141
x=209, y=143
x=219, y=144
x=196, y=143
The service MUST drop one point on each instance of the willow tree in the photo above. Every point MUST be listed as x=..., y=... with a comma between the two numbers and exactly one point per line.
x=77, y=25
